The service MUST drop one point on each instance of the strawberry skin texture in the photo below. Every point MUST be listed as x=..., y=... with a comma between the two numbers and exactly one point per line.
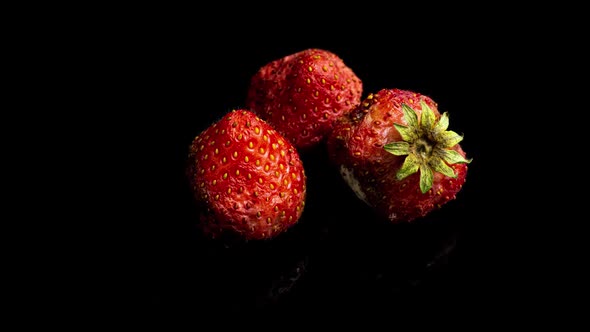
x=302, y=94
x=356, y=146
x=247, y=179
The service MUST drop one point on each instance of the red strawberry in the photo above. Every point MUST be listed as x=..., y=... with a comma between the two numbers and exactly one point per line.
x=247, y=178
x=302, y=94
x=395, y=152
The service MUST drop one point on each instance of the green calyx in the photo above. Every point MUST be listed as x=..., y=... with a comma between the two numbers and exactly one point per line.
x=427, y=144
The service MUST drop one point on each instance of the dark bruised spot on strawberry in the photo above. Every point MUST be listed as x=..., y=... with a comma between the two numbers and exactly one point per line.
x=426, y=143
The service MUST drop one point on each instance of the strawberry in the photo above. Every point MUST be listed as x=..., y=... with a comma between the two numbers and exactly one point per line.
x=248, y=179
x=302, y=94
x=395, y=152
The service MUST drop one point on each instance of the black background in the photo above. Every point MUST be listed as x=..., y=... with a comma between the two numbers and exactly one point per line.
x=161, y=79
x=109, y=98
x=351, y=261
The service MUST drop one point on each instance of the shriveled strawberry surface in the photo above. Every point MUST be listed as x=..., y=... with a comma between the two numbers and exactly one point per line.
x=396, y=154
x=302, y=94
x=248, y=180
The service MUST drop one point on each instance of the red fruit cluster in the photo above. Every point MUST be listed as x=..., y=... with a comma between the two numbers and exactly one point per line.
x=393, y=149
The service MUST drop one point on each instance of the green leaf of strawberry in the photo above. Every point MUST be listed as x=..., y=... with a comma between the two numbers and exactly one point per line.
x=427, y=143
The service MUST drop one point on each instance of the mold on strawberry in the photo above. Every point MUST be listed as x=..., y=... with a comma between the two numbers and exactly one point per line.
x=396, y=153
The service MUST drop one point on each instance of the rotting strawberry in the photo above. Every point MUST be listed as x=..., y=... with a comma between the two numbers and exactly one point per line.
x=302, y=94
x=395, y=152
x=247, y=179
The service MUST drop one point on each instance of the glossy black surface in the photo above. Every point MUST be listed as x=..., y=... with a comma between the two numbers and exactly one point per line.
x=338, y=255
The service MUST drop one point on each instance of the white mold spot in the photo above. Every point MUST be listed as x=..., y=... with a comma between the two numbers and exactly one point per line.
x=353, y=183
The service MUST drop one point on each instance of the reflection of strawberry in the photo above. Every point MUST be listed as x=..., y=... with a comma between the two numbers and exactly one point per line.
x=395, y=152
x=302, y=94
x=247, y=178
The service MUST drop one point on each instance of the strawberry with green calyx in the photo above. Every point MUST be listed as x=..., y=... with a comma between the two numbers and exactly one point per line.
x=247, y=179
x=397, y=155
